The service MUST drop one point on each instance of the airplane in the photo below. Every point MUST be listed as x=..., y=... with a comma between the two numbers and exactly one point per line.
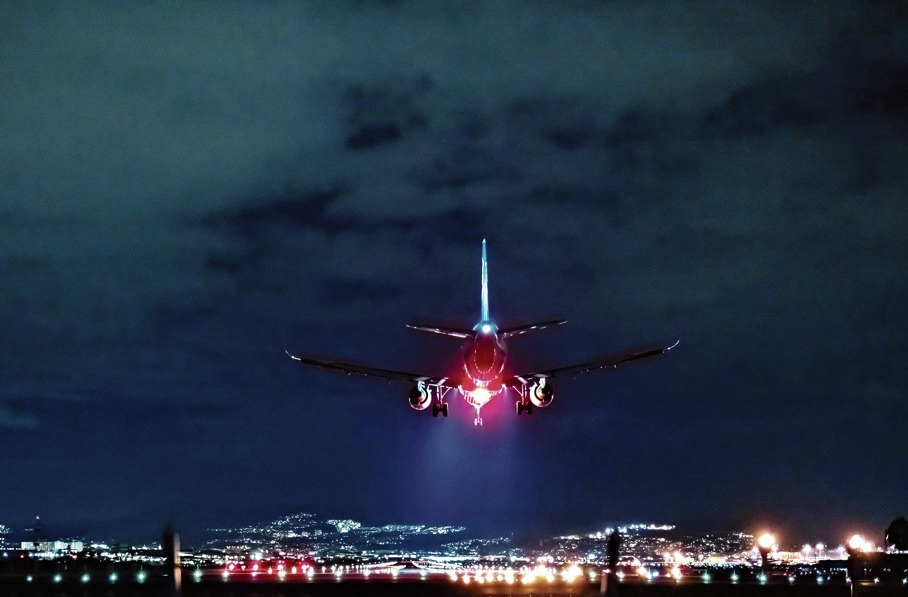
x=484, y=358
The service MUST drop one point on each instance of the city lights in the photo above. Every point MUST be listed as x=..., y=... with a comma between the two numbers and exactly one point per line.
x=575, y=560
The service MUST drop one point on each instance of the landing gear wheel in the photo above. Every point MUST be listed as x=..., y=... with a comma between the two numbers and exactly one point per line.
x=528, y=408
x=435, y=410
x=477, y=422
x=443, y=409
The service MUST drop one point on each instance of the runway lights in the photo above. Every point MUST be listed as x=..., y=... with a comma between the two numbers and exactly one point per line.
x=571, y=573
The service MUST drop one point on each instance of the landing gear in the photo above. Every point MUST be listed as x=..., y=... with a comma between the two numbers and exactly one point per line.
x=524, y=405
x=440, y=408
x=477, y=421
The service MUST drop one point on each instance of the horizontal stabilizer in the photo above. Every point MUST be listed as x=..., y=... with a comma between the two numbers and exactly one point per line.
x=517, y=330
x=434, y=329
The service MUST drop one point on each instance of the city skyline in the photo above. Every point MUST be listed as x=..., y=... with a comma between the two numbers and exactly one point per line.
x=306, y=532
x=188, y=190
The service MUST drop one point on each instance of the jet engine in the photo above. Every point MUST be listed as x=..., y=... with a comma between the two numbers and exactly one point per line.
x=542, y=393
x=420, y=399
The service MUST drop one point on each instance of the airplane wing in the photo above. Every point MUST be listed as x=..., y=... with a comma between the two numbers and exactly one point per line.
x=388, y=374
x=610, y=362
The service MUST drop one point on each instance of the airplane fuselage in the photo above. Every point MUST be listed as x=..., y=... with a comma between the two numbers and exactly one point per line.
x=484, y=357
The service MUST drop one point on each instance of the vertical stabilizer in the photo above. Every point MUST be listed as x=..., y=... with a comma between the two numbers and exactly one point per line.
x=485, y=284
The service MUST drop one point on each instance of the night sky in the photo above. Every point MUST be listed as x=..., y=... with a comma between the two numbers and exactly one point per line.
x=188, y=189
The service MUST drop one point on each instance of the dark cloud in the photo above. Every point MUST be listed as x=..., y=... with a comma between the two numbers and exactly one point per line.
x=14, y=416
x=381, y=116
x=295, y=210
x=345, y=291
x=373, y=135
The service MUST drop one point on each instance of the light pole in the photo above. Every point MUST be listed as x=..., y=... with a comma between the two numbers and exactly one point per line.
x=807, y=549
x=764, y=544
x=854, y=546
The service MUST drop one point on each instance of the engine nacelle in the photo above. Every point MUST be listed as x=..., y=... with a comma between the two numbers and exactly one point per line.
x=420, y=396
x=541, y=393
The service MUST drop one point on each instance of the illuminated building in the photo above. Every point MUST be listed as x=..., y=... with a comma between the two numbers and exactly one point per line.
x=52, y=548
